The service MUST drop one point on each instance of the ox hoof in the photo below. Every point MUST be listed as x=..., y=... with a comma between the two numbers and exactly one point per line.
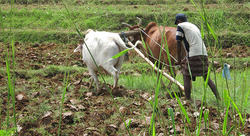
x=114, y=88
x=98, y=92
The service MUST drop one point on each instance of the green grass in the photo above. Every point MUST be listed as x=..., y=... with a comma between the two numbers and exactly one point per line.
x=50, y=23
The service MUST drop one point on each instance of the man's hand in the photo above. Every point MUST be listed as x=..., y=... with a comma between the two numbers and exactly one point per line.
x=181, y=62
x=177, y=63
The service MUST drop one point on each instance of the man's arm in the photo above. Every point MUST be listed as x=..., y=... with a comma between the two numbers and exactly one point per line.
x=179, y=51
x=179, y=38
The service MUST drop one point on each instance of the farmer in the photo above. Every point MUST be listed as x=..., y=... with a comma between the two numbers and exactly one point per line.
x=197, y=58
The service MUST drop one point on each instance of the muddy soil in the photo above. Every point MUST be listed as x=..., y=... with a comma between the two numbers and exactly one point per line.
x=37, y=103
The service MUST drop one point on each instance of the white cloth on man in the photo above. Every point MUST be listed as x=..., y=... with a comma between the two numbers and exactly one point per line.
x=191, y=36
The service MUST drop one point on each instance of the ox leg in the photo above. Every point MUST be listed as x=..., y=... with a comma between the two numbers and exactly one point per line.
x=113, y=71
x=116, y=78
x=94, y=76
x=91, y=81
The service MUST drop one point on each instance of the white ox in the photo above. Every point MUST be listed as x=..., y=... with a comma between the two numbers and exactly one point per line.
x=102, y=45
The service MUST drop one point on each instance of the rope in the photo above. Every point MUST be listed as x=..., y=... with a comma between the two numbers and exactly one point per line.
x=162, y=62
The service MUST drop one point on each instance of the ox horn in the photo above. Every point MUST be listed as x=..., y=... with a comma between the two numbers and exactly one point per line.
x=127, y=25
x=140, y=22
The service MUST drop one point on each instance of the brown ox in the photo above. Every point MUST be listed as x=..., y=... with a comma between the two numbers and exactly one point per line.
x=159, y=40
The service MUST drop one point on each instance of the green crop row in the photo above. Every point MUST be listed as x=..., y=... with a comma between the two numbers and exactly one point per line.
x=52, y=23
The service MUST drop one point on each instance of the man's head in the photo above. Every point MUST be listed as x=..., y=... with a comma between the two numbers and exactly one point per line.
x=180, y=18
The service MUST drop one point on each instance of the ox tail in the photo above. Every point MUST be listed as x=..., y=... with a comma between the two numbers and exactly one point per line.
x=121, y=44
x=79, y=48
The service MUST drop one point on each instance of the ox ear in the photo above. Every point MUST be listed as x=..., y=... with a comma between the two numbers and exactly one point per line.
x=79, y=48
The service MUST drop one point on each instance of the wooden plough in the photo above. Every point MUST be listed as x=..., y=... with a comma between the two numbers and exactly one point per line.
x=155, y=68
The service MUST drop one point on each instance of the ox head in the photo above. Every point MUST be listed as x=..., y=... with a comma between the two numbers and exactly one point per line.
x=81, y=41
x=134, y=33
x=89, y=30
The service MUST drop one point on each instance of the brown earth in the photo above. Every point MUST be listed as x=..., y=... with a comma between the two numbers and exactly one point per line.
x=87, y=113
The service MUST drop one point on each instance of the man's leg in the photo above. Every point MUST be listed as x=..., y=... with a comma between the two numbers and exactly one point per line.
x=187, y=86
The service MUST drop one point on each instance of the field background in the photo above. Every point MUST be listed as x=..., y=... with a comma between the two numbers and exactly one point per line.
x=43, y=35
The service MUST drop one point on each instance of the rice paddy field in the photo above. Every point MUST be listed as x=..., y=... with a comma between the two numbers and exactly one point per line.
x=44, y=86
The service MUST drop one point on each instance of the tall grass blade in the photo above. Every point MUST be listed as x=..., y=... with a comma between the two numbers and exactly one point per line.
x=7, y=70
x=66, y=75
x=65, y=83
x=200, y=117
x=226, y=99
x=234, y=80
x=0, y=114
x=202, y=31
x=118, y=55
x=13, y=61
x=225, y=118
x=165, y=43
x=12, y=92
x=1, y=18
x=206, y=120
x=204, y=18
x=155, y=105
x=11, y=79
x=238, y=111
x=121, y=53
x=183, y=110
x=153, y=132
x=202, y=102
x=230, y=130
x=246, y=97
x=171, y=113
x=243, y=91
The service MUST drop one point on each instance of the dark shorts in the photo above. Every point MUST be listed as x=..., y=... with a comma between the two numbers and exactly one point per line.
x=198, y=66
